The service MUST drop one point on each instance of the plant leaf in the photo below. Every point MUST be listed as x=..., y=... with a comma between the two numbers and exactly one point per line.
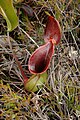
x=8, y=12
x=52, y=31
x=35, y=82
x=40, y=59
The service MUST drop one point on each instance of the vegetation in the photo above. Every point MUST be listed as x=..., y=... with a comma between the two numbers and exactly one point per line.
x=59, y=98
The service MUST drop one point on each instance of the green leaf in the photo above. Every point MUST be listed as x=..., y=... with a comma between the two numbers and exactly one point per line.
x=8, y=12
x=35, y=82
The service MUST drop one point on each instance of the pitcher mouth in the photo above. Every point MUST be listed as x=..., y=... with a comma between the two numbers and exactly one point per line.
x=40, y=59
